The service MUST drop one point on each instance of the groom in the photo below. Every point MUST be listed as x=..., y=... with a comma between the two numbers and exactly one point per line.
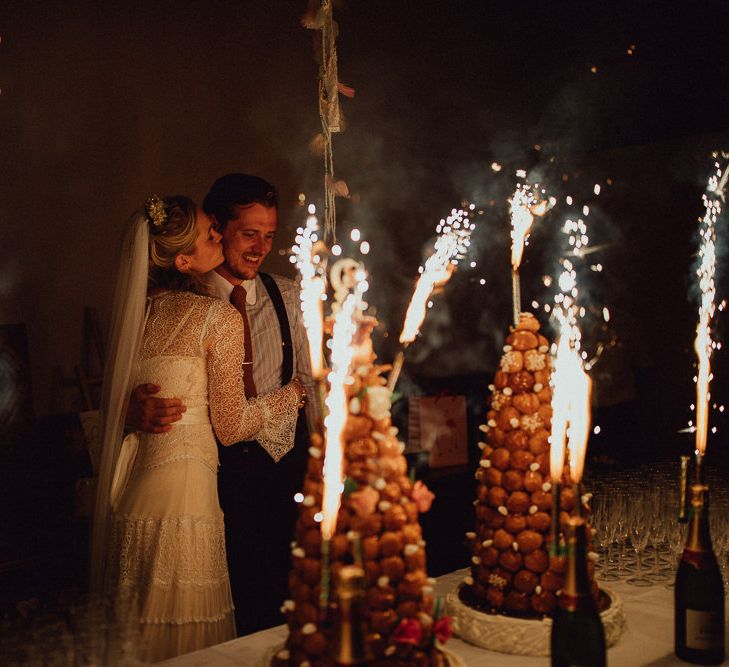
x=256, y=493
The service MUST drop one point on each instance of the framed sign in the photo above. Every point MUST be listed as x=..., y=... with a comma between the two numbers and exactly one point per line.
x=437, y=425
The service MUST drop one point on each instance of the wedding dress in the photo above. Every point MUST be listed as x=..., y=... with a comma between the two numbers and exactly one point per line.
x=167, y=543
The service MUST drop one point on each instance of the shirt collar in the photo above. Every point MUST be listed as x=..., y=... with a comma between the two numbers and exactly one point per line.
x=222, y=288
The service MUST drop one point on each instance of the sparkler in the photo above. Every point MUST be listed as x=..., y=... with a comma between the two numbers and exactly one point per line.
x=521, y=222
x=713, y=198
x=570, y=383
x=523, y=206
x=560, y=404
x=343, y=332
x=312, y=289
x=454, y=234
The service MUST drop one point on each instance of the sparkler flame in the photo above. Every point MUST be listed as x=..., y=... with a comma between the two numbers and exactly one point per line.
x=570, y=407
x=345, y=326
x=579, y=428
x=706, y=272
x=452, y=243
x=312, y=290
x=560, y=410
x=571, y=385
x=524, y=205
x=521, y=221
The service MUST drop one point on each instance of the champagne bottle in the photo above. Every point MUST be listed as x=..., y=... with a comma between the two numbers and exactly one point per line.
x=578, y=638
x=350, y=645
x=699, y=592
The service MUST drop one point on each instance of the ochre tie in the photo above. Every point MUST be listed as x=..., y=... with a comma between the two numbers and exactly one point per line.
x=238, y=299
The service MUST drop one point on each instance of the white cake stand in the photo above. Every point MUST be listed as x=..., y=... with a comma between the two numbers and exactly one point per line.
x=519, y=636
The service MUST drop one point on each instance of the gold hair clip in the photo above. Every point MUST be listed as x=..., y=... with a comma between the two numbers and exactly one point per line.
x=155, y=209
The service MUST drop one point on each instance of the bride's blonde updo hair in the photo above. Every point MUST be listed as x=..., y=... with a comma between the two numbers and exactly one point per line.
x=172, y=231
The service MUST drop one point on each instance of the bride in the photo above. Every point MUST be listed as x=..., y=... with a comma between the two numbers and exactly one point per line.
x=158, y=526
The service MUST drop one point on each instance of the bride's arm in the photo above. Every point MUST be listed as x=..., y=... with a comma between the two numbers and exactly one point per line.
x=269, y=419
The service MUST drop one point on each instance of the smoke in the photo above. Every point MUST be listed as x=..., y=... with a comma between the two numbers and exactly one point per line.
x=398, y=200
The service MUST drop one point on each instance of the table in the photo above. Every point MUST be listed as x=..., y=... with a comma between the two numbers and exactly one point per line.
x=647, y=641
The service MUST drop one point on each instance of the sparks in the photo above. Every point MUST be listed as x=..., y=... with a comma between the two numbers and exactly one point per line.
x=570, y=383
x=312, y=289
x=453, y=240
x=521, y=204
x=704, y=345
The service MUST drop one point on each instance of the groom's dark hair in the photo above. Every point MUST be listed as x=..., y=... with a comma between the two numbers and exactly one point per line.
x=234, y=190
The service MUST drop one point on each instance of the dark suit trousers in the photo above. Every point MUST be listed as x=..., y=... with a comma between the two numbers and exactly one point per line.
x=257, y=497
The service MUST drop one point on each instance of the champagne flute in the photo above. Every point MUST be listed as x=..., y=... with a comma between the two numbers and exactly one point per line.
x=639, y=527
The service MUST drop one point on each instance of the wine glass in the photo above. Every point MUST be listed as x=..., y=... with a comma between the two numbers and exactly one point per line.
x=639, y=529
x=620, y=503
x=657, y=496
x=605, y=531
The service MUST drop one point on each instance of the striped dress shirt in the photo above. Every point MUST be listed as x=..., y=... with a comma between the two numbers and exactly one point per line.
x=266, y=335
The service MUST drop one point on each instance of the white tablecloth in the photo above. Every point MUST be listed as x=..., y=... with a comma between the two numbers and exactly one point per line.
x=648, y=639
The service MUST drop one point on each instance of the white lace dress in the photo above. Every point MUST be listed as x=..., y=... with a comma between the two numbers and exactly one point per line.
x=168, y=541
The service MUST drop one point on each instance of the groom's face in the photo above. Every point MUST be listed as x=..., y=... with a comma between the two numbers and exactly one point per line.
x=248, y=238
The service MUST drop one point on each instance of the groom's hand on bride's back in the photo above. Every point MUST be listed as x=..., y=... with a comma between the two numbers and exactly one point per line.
x=151, y=414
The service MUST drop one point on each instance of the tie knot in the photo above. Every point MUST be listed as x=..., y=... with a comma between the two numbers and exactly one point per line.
x=238, y=297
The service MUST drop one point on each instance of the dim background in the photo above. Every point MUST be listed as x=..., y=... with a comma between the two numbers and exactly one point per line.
x=103, y=104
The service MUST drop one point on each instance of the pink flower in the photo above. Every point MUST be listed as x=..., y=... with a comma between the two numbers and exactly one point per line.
x=408, y=632
x=443, y=629
x=364, y=501
x=422, y=496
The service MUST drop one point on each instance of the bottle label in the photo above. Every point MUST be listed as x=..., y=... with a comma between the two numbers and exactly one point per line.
x=703, y=630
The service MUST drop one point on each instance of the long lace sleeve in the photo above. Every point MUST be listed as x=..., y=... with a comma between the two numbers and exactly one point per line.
x=269, y=419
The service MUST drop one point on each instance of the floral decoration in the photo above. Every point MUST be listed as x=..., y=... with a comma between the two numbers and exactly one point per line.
x=364, y=501
x=408, y=632
x=422, y=496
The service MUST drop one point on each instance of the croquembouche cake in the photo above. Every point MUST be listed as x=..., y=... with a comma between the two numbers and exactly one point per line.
x=377, y=527
x=512, y=569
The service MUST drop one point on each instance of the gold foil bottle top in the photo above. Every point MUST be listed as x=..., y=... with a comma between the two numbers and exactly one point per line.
x=576, y=581
x=698, y=495
x=575, y=530
x=350, y=581
x=698, y=538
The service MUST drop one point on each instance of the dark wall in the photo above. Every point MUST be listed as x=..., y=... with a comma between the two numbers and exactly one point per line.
x=104, y=103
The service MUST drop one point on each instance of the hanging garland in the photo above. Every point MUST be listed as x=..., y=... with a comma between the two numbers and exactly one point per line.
x=322, y=19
